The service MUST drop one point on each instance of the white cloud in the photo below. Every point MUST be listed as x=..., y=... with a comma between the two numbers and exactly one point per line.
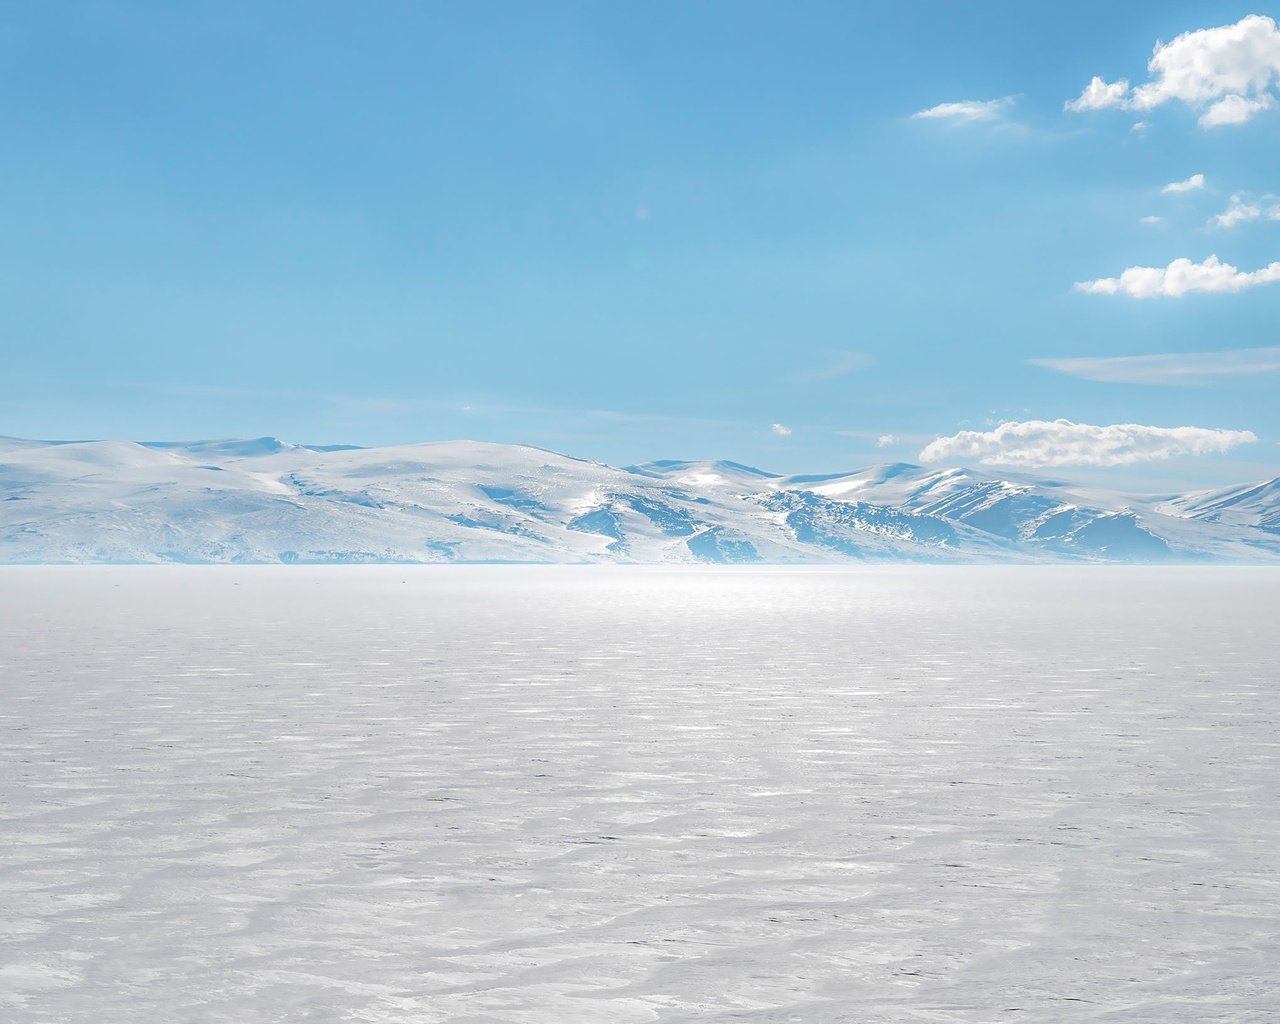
x=1233, y=110
x=1169, y=368
x=1239, y=212
x=1229, y=72
x=1196, y=181
x=967, y=110
x=1099, y=94
x=885, y=440
x=1151, y=219
x=780, y=430
x=1180, y=278
x=1063, y=443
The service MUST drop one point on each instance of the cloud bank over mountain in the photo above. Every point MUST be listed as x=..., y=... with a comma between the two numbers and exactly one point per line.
x=1038, y=443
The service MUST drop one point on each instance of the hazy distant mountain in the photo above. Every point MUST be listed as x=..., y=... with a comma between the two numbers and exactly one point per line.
x=265, y=500
x=1250, y=505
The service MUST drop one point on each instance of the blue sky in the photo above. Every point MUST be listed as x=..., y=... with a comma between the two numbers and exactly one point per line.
x=642, y=231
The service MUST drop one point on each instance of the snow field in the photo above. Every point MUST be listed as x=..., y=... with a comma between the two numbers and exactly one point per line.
x=563, y=795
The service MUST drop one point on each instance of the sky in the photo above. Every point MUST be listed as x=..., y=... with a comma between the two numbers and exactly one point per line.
x=805, y=236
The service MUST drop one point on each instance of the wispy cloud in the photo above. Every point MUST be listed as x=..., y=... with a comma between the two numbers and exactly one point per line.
x=1228, y=73
x=1192, y=184
x=1064, y=443
x=1239, y=211
x=874, y=437
x=1170, y=368
x=967, y=110
x=342, y=405
x=1181, y=277
x=781, y=430
x=836, y=365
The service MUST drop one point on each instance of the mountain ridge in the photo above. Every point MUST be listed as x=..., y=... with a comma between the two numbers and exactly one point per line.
x=268, y=500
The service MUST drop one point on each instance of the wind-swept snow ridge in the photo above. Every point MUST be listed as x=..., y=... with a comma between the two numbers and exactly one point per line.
x=268, y=500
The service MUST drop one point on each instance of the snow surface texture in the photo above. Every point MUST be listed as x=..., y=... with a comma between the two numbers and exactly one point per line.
x=547, y=795
x=265, y=500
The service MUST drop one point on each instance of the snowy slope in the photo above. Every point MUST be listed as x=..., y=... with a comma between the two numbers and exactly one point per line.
x=1255, y=505
x=266, y=500
x=1044, y=515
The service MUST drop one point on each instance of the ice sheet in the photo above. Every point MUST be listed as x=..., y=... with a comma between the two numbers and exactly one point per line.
x=563, y=795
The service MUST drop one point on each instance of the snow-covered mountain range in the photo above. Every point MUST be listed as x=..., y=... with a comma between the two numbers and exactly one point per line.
x=266, y=500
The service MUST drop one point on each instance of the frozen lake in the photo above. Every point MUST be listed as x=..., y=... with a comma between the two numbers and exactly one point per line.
x=604, y=796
